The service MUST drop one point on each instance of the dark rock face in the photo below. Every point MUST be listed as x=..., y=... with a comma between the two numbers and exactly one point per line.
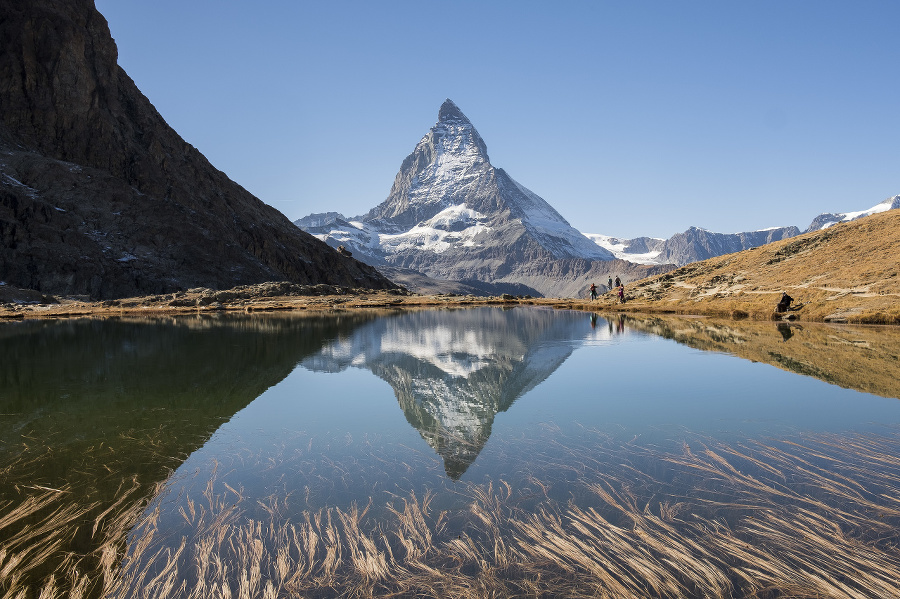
x=99, y=196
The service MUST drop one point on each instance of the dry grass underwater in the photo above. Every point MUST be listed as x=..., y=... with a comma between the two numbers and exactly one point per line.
x=814, y=516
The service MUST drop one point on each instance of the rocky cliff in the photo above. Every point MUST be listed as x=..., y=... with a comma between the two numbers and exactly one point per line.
x=99, y=196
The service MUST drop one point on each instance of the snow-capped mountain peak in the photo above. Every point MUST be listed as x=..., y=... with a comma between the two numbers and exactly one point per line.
x=451, y=214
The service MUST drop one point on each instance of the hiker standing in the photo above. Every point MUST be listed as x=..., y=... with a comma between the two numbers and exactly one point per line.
x=621, y=293
x=593, y=292
x=609, y=284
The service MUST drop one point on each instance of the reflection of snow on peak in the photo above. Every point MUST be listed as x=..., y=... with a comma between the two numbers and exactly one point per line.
x=457, y=352
x=452, y=371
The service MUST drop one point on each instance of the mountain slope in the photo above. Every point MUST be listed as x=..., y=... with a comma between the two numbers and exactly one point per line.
x=847, y=272
x=99, y=196
x=452, y=215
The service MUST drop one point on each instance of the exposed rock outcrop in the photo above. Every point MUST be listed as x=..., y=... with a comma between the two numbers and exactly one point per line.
x=99, y=196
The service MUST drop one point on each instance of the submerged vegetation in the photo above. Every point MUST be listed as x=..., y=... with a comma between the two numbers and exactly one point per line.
x=808, y=517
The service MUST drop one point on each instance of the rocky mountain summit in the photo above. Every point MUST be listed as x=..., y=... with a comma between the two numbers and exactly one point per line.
x=100, y=197
x=452, y=215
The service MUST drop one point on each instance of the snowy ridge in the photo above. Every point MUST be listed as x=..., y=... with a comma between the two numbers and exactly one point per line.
x=825, y=220
x=336, y=230
x=453, y=227
x=551, y=229
x=620, y=248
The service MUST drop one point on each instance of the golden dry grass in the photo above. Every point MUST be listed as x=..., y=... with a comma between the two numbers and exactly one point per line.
x=811, y=517
x=849, y=272
x=36, y=558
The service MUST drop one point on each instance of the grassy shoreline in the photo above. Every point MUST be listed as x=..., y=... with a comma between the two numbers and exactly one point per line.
x=853, y=310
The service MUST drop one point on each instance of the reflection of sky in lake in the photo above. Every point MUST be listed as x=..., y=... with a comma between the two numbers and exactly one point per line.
x=331, y=432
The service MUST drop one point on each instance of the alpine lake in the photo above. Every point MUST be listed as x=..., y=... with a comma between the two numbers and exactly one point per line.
x=481, y=452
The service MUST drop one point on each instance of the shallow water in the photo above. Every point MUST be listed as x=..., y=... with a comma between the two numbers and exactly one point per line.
x=296, y=415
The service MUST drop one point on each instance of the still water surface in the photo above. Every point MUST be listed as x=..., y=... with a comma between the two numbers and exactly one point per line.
x=295, y=415
x=420, y=400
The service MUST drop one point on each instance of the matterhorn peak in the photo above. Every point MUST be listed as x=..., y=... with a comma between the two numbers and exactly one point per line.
x=455, y=134
x=452, y=215
x=450, y=113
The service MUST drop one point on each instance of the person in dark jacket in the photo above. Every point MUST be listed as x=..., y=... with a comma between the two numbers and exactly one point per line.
x=784, y=303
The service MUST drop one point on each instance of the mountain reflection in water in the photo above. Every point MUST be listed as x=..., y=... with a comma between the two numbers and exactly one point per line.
x=453, y=371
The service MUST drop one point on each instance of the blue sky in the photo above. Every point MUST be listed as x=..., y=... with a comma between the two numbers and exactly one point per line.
x=630, y=118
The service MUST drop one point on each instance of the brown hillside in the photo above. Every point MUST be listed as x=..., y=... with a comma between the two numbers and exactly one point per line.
x=846, y=273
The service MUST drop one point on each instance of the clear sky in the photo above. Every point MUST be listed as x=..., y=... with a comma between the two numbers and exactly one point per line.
x=630, y=118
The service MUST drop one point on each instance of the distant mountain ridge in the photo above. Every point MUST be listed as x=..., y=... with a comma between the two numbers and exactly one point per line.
x=828, y=219
x=697, y=244
x=100, y=197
